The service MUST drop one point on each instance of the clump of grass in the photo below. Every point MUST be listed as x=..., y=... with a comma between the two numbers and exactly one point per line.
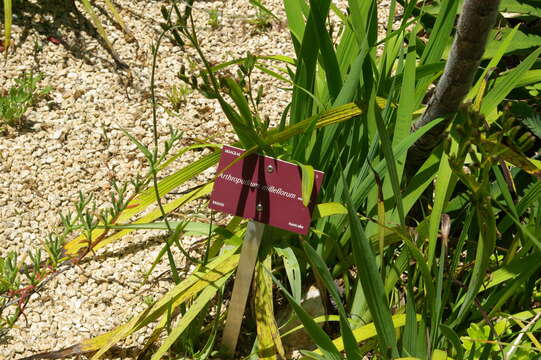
x=262, y=20
x=214, y=18
x=178, y=95
x=15, y=102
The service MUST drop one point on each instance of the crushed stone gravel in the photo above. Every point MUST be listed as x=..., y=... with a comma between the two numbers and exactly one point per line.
x=73, y=142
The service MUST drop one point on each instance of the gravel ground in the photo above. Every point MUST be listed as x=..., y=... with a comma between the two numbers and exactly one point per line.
x=71, y=145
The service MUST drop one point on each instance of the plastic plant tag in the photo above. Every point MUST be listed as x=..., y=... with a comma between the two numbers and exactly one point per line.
x=264, y=189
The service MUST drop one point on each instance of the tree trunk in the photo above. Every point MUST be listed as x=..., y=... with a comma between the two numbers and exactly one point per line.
x=474, y=25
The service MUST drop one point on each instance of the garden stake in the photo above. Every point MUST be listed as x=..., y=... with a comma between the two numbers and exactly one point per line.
x=241, y=287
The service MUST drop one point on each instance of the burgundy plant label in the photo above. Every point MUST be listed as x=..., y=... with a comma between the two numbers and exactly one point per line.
x=264, y=189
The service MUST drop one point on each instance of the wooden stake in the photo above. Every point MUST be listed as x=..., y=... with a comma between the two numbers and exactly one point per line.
x=241, y=287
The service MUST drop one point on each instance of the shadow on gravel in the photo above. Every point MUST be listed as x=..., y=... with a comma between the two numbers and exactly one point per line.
x=57, y=21
x=116, y=352
x=127, y=250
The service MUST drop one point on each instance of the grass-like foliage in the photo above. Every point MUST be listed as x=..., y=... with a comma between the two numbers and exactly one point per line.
x=432, y=260
x=15, y=101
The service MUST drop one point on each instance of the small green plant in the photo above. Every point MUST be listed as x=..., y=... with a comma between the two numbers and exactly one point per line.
x=534, y=89
x=263, y=17
x=15, y=101
x=23, y=275
x=148, y=300
x=214, y=18
x=262, y=20
x=178, y=95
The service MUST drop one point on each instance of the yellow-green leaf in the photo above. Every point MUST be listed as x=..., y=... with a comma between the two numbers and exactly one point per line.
x=7, y=24
x=218, y=269
x=268, y=336
x=307, y=184
x=195, y=309
x=78, y=243
x=439, y=355
x=97, y=22
x=329, y=209
x=369, y=331
x=511, y=156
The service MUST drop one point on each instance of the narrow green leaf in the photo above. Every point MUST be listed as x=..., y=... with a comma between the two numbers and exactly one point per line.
x=366, y=180
x=391, y=163
x=307, y=185
x=528, y=78
x=444, y=184
x=180, y=153
x=237, y=96
x=422, y=179
x=531, y=195
x=333, y=116
x=421, y=71
x=368, y=331
x=319, y=265
x=193, y=311
x=319, y=12
x=437, y=302
x=295, y=11
x=493, y=62
x=293, y=270
x=504, y=189
x=8, y=18
x=329, y=209
x=268, y=337
x=244, y=131
x=497, y=94
x=97, y=22
x=523, y=42
x=441, y=32
x=321, y=339
x=510, y=271
x=439, y=38
x=485, y=247
x=192, y=227
x=524, y=229
x=371, y=281
x=497, y=299
x=452, y=336
x=409, y=337
x=305, y=76
x=117, y=16
x=318, y=320
x=406, y=106
x=142, y=148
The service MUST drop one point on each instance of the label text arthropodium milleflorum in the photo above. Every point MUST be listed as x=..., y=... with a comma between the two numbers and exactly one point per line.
x=248, y=182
